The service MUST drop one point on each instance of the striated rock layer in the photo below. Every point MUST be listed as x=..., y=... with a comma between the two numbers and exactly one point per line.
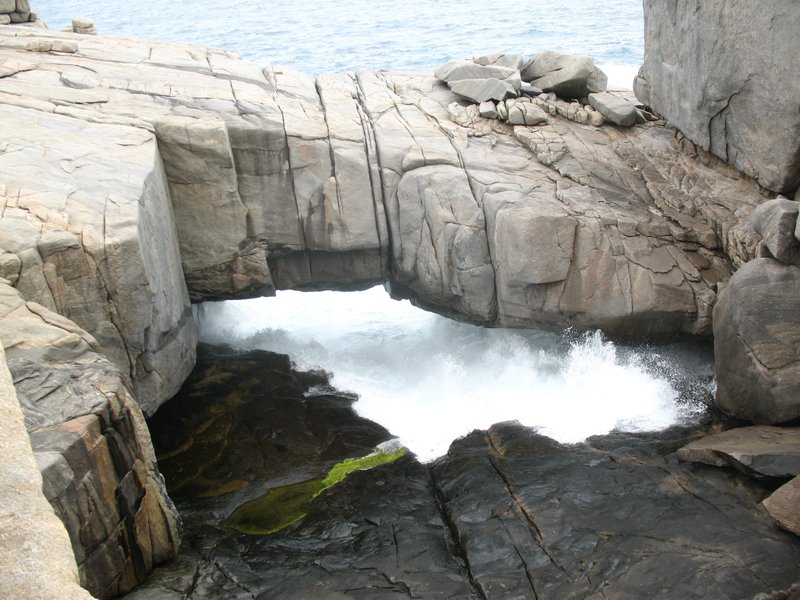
x=93, y=449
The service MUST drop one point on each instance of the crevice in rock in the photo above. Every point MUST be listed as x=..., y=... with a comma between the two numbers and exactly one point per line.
x=300, y=220
x=529, y=517
x=455, y=539
x=374, y=172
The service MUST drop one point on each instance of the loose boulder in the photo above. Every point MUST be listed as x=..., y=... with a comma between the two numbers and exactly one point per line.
x=783, y=506
x=568, y=75
x=757, y=343
x=776, y=221
x=481, y=90
x=617, y=110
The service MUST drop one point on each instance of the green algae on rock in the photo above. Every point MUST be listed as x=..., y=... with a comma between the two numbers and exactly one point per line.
x=282, y=506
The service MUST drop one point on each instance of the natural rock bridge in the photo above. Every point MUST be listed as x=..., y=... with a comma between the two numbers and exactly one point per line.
x=139, y=177
x=138, y=167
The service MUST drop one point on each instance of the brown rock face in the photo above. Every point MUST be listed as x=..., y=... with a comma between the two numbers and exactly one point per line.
x=92, y=447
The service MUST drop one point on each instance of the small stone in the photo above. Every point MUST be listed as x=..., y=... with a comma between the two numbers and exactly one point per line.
x=617, y=110
x=595, y=118
x=488, y=110
x=524, y=113
x=468, y=70
x=776, y=221
x=511, y=61
x=481, y=90
x=84, y=25
x=65, y=46
x=19, y=17
x=569, y=76
x=502, y=111
x=5, y=19
x=530, y=89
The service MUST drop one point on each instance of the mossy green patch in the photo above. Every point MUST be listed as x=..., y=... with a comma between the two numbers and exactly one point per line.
x=282, y=506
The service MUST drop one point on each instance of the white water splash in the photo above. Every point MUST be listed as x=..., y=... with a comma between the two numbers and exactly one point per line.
x=430, y=380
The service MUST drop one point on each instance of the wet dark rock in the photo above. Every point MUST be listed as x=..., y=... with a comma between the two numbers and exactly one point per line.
x=537, y=519
x=507, y=514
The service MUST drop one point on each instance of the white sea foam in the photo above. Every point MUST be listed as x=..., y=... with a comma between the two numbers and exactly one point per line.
x=430, y=380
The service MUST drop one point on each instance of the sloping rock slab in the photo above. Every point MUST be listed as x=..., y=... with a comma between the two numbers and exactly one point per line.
x=612, y=519
x=763, y=450
x=784, y=506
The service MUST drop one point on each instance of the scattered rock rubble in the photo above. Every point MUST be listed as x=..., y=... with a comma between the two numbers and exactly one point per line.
x=508, y=88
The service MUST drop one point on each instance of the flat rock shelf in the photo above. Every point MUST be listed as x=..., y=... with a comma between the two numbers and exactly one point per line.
x=506, y=513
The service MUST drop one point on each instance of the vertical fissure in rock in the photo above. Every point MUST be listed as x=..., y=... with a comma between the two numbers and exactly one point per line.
x=374, y=171
x=331, y=153
x=300, y=219
x=455, y=538
x=529, y=517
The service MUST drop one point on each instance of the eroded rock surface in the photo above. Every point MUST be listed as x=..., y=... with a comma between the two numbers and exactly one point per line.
x=760, y=450
x=93, y=448
x=33, y=539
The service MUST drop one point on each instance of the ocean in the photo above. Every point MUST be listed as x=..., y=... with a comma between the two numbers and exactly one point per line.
x=324, y=36
x=425, y=378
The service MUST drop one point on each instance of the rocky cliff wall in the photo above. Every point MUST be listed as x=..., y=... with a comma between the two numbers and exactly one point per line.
x=724, y=73
x=37, y=543
x=92, y=446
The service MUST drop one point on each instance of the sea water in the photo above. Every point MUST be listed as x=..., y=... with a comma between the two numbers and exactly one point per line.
x=426, y=378
x=346, y=35
x=430, y=380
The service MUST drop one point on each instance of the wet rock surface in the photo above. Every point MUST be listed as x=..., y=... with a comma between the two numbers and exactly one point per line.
x=505, y=514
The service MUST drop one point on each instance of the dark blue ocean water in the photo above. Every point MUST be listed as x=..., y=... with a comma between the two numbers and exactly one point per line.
x=322, y=36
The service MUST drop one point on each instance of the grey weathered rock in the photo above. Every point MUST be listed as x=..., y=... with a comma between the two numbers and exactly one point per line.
x=7, y=6
x=783, y=503
x=465, y=69
x=615, y=109
x=529, y=89
x=482, y=90
x=294, y=173
x=511, y=61
x=761, y=449
x=84, y=26
x=757, y=343
x=97, y=243
x=488, y=110
x=776, y=222
x=568, y=75
x=37, y=559
x=525, y=113
x=711, y=71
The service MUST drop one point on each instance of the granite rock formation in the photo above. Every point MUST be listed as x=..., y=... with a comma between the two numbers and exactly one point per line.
x=93, y=449
x=37, y=543
x=140, y=176
x=756, y=328
x=715, y=70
